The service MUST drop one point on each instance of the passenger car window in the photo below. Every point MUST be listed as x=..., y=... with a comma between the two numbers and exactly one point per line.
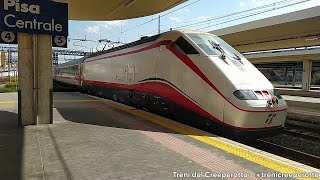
x=185, y=46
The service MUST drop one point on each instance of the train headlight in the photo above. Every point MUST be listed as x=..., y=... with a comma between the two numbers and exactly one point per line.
x=245, y=95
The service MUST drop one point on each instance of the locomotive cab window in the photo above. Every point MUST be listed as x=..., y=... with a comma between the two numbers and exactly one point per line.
x=214, y=45
x=184, y=47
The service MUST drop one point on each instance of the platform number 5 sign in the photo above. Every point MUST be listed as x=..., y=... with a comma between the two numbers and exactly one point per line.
x=8, y=37
x=59, y=41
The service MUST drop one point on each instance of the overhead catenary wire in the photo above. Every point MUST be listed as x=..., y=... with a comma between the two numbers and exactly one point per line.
x=240, y=15
x=237, y=13
x=208, y=19
x=97, y=42
x=264, y=11
x=153, y=19
x=179, y=8
x=214, y=21
x=272, y=7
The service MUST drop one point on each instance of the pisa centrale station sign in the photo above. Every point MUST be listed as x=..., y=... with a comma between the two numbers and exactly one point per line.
x=35, y=17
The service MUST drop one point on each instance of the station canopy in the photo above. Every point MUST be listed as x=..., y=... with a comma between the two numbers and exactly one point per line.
x=106, y=10
x=295, y=29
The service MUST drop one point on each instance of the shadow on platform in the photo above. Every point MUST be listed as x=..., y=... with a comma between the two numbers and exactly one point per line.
x=109, y=118
x=113, y=117
x=11, y=146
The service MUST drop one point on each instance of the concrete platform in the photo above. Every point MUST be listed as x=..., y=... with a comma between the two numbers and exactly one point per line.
x=303, y=111
x=93, y=138
x=299, y=101
x=299, y=92
x=303, y=105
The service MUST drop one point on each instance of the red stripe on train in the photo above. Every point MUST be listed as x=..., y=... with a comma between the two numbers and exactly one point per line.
x=166, y=91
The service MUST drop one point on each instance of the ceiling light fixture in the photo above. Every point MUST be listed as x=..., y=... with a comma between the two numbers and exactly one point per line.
x=312, y=39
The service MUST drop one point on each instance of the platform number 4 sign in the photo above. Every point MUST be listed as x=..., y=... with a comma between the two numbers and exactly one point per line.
x=8, y=37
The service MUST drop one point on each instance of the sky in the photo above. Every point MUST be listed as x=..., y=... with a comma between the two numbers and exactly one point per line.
x=193, y=14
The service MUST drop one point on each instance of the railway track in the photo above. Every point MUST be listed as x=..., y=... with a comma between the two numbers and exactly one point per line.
x=304, y=134
x=290, y=152
x=286, y=152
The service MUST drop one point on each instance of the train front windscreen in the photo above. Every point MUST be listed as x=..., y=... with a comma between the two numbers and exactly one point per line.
x=213, y=45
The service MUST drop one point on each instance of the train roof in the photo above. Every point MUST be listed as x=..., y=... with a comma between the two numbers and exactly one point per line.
x=141, y=41
x=70, y=63
x=128, y=45
x=135, y=43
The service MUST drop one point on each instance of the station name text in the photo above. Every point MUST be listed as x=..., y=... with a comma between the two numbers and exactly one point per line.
x=11, y=21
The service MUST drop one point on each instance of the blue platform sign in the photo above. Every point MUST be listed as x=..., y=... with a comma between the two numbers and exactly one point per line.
x=34, y=16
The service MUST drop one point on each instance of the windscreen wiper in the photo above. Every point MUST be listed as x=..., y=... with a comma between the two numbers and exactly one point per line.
x=236, y=56
x=218, y=47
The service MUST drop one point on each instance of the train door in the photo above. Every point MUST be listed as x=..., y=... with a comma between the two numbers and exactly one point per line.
x=79, y=74
x=160, y=64
x=162, y=104
x=130, y=72
x=130, y=80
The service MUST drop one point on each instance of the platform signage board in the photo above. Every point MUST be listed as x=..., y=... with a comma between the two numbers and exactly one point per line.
x=7, y=37
x=34, y=16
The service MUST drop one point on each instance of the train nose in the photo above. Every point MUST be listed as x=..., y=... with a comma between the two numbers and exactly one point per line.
x=271, y=97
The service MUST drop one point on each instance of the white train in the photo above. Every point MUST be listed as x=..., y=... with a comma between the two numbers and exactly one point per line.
x=192, y=76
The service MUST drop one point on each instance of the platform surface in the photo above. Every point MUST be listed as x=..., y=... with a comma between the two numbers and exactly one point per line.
x=100, y=139
x=302, y=99
x=298, y=104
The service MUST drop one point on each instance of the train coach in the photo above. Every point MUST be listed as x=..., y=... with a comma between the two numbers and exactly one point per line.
x=68, y=73
x=188, y=75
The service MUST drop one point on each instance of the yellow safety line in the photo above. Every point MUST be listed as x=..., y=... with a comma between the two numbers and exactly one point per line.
x=8, y=102
x=73, y=101
x=57, y=101
x=269, y=163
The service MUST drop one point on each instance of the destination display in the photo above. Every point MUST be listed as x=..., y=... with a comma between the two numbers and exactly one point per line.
x=30, y=16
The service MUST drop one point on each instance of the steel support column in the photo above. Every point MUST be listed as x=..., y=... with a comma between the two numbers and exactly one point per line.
x=306, y=75
x=286, y=76
x=294, y=76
